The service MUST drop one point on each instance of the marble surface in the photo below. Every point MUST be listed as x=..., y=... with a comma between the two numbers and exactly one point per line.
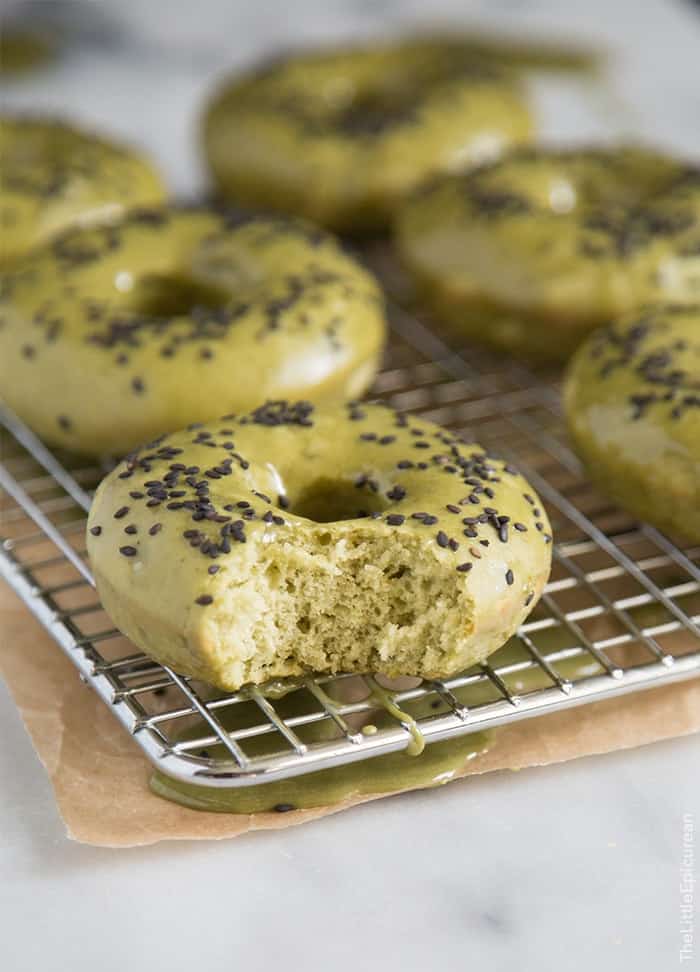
x=573, y=866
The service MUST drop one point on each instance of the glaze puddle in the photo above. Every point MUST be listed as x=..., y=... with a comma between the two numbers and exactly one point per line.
x=432, y=765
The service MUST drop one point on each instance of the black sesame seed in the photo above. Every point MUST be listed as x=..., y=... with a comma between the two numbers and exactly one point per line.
x=96, y=531
x=442, y=539
x=204, y=599
x=122, y=511
x=396, y=493
x=156, y=528
x=520, y=527
x=463, y=568
x=283, y=807
x=395, y=519
x=128, y=551
x=131, y=529
x=213, y=569
x=509, y=577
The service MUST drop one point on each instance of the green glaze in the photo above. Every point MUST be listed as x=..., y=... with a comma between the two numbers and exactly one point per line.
x=54, y=177
x=531, y=253
x=438, y=764
x=307, y=517
x=115, y=334
x=434, y=765
x=632, y=401
x=341, y=136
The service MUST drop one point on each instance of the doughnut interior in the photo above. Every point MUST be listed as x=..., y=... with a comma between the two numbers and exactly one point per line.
x=295, y=540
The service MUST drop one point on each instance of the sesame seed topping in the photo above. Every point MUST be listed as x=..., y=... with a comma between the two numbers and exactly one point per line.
x=465, y=567
x=396, y=493
x=204, y=599
x=395, y=519
x=509, y=577
x=128, y=551
x=96, y=531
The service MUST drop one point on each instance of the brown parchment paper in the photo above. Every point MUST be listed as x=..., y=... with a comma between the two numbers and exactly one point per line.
x=100, y=778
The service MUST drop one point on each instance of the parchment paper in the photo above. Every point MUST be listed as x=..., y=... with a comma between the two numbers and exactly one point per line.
x=100, y=778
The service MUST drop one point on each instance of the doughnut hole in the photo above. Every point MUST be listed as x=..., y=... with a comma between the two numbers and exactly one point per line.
x=331, y=500
x=373, y=599
x=173, y=295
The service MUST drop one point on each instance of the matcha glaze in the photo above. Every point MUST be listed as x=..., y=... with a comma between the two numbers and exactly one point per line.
x=417, y=767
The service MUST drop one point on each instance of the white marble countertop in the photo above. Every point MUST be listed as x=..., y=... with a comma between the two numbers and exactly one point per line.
x=574, y=866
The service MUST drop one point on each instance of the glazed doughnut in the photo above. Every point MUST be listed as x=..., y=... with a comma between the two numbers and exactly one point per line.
x=531, y=253
x=292, y=540
x=341, y=136
x=53, y=177
x=112, y=335
x=632, y=400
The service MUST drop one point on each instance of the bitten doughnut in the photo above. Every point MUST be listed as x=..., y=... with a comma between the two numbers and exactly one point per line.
x=292, y=540
x=112, y=335
x=632, y=399
x=531, y=253
x=340, y=136
x=53, y=177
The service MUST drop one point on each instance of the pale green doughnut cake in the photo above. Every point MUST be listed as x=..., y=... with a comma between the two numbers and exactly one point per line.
x=291, y=540
x=632, y=399
x=53, y=177
x=533, y=252
x=341, y=136
x=112, y=335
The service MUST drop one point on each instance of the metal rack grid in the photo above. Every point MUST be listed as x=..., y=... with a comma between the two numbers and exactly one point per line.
x=620, y=613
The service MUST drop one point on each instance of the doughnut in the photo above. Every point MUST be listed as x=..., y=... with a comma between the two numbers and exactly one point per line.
x=54, y=177
x=112, y=335
x=292, y=539
x=341, y=136
x=532, y=252
x=632, y=403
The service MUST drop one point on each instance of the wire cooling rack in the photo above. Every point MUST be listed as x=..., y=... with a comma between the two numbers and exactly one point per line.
x=621, y=611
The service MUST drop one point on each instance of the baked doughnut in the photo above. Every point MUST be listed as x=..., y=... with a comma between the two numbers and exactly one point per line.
x=115, y=334
x=340, y=136
x=53, y=177
x=531, y=253
x=291, y=540
x=632, y=400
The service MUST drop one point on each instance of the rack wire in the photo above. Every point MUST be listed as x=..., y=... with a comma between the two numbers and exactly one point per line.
x=620, y=613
